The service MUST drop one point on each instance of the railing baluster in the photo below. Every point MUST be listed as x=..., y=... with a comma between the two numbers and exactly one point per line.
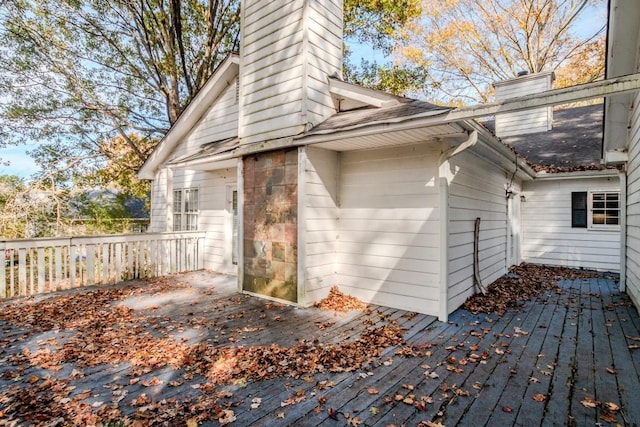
x=91, y=265
x=72, y=266
x=41, y=264
x=22, y=271
x=3, y=272
x=106, y=247
x=50, y=264
x=58, y=266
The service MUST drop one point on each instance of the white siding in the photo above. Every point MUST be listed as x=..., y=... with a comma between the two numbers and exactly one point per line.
x=633, y=208
x=477, y=190
x=214, y=214
x=159, y=202
x=321, y=221
x=288, y=49
x=529, y=121
x=547, y=235
x=388, y=227
x=220, y=122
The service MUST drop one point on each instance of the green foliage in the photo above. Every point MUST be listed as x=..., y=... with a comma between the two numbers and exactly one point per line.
x=76, y=72
x=377, y=22
x=395, y=79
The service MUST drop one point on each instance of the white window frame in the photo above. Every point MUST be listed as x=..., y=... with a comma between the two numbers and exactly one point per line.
x=185, y=217
x=590, y=209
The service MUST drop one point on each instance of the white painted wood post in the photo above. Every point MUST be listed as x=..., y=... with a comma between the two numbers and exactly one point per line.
x=58, y=263
x=3, y=279
x=72, y=265
x=91, y=265
x=22, y=271
x=41, y=267
x=118, y=262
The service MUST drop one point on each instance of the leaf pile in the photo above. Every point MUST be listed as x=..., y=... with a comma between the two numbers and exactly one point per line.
x=337, y=301
x=94, y=328
x=524, y=282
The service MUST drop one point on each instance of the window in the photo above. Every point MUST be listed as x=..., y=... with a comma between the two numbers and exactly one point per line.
x=595, y=209
x=185, y=209
x=579, y=209
x=605, y=208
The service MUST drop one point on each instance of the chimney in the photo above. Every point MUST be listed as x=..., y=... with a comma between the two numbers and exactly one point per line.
x=288, y=49
x=527, y=121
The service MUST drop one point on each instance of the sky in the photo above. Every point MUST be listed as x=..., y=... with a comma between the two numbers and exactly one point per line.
x=22, y=165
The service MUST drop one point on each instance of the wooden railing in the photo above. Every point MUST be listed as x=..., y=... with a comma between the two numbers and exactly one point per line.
x=35, y=266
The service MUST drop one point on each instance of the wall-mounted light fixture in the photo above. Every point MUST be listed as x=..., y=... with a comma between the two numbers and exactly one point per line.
x=523, y=198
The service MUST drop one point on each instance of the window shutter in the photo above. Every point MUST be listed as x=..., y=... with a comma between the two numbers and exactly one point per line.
x=579, y=209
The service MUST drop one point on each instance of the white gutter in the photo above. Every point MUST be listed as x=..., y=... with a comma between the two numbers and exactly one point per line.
x=600, y=173
x=444, y=177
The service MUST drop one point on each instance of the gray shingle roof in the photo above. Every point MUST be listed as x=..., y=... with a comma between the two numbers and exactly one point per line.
x=574, y=143
x=404, y=109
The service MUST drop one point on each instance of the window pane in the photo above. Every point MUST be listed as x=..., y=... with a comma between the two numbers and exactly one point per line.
x=192, y=222
x=177, y=200
x=191, y=200
x=605, y=208
x=579, y=209
x=177, y=222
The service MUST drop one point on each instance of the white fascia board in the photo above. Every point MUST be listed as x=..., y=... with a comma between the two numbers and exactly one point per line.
x=360, y=94
x=198, y=107
x=602, y=173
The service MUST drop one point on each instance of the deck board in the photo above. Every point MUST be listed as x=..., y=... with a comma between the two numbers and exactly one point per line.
x=576, y=345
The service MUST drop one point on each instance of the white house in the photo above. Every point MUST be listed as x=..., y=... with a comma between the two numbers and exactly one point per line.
x=302, y=181
x=622, y=133
x=570, y=212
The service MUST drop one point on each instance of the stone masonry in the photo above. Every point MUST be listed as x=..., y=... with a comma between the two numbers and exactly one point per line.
x=270, y=224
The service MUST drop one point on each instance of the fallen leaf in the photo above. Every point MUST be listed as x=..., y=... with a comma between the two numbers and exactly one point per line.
x=533, y=380
x=355, y=421
x=608, y=417
x=611, y=371
x=374, y=410
x=372, y=390
x=333, y=414
x=611, y=406
x=507, y=409
x=227, y=416
x=151, y=383
x=255, y=402
x=192, y=422
x=539, y=397
x=280, y=415
x=589, y=402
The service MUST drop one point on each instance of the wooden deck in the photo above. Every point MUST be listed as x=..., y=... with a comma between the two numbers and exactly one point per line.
x=562, y=359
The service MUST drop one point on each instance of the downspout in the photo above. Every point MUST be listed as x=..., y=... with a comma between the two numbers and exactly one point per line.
x=444, y=177
x=623, y=230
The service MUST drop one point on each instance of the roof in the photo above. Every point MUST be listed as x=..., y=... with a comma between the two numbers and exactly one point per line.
x=573, y=144
x=404, y=108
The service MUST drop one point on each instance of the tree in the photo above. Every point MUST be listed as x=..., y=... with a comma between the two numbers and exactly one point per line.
x=79, y=72
x=468, y=45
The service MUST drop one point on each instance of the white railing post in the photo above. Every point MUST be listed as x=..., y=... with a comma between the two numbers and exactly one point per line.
x=3, y=279
x=41, y=275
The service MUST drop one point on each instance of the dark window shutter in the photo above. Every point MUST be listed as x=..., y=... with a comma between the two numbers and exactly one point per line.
x=579, y=209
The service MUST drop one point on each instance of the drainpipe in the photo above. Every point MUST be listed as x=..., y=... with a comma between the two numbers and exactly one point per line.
x=623, y=230
x=444, y=177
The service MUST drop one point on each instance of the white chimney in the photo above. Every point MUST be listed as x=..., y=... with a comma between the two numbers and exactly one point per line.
x=288, y=49
x=527, y=121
